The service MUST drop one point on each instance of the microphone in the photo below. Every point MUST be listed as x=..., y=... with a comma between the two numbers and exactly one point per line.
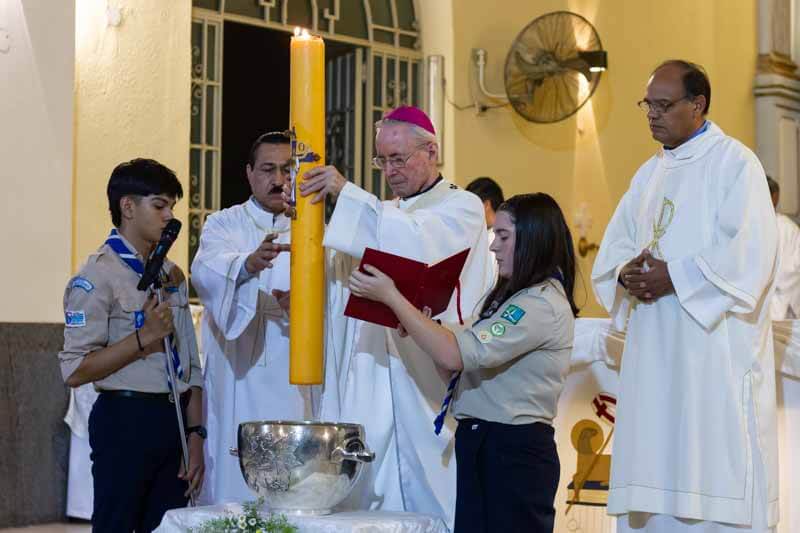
x=153, y=266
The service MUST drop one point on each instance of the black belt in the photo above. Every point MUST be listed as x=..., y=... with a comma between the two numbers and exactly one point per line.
x=161, y=396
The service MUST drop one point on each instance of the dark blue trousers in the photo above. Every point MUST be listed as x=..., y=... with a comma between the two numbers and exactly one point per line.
x=136, y=456
x=507, y=477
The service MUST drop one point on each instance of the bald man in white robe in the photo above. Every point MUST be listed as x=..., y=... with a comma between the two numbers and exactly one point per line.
x=687, y=265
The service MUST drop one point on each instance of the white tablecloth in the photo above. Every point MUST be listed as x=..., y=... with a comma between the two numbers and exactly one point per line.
x=179, y=520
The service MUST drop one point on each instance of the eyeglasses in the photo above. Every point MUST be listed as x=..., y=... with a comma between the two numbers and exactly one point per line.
x=397, y=161
x=661, y=106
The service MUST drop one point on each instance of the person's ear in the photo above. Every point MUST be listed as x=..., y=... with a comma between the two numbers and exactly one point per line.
x=126, y=206
x=433, y=152
x=699, y=104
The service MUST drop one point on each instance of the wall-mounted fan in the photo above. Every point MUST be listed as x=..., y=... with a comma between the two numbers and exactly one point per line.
x=553, y=67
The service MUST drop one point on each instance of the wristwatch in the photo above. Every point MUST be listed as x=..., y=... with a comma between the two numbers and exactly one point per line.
x=200, y=430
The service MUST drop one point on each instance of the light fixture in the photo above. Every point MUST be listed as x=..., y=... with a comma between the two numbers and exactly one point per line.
x=5, y=41
x=583, y=223
x=113, y=16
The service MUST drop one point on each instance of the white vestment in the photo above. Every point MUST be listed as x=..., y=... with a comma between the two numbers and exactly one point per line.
x=80, y=486
x=698, y=366
x=786, y=302
x=492, y=259
x=245, y=337
x=386, y=383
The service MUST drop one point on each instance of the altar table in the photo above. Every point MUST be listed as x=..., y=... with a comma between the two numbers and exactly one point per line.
x=180, y=520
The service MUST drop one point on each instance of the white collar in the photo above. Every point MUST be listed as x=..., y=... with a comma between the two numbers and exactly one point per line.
x=407, y=202
x=694, y=148
x=265, y=220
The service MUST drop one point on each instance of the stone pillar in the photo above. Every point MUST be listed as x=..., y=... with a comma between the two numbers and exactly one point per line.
x=33, y=436
x=777, y=100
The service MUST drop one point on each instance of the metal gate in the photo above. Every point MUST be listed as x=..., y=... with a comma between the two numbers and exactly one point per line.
x=382, y=70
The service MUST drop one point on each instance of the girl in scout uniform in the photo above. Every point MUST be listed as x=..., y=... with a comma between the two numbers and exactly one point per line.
x=508, y=369
x=114, y=338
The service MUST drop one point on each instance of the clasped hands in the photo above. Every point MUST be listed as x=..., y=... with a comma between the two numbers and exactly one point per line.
x=646, y=278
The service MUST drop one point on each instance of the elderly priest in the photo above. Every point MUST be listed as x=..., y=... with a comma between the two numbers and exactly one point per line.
x=374, y=376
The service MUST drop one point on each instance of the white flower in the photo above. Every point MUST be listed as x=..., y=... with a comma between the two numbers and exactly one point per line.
x=252, y=521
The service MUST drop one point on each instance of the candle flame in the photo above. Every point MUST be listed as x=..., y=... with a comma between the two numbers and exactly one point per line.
x=301, y=33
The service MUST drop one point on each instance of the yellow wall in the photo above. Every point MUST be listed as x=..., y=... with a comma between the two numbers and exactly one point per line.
x=36, y=117
x=436, y=35
x=132, y=87
x=597, y=165
x=132, y=100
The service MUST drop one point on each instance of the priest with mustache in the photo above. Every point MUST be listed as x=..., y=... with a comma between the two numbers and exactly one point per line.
x=242, y=279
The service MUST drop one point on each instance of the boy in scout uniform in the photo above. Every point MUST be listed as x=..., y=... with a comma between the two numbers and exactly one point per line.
x=114, y=338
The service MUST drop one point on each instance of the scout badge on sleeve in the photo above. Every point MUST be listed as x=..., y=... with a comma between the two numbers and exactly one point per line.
x=513, y=314
x=74, y=319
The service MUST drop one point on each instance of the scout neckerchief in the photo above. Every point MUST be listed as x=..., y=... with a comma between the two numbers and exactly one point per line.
x=438, y=422
x=451, y=387
x=116, y=243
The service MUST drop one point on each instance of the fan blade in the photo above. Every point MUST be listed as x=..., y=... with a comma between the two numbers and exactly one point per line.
x=545, y=66
x=547, y=71
x=578, y=65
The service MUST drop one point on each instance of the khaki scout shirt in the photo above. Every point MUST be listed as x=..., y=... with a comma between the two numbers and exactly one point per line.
x=99, y=305
x=516, y=361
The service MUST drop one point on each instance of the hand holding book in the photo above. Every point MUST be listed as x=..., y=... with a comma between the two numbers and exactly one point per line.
x=411, y=290
x=371, y=284
x=383, y=276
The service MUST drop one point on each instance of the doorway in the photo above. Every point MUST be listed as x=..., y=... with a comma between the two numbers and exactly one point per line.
x=256, y=101
x=373, y=64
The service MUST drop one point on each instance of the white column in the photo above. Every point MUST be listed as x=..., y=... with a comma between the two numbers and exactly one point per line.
x=777, y=100
x=37, y=66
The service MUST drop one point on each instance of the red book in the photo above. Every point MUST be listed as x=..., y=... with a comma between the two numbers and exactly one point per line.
x=422, y=285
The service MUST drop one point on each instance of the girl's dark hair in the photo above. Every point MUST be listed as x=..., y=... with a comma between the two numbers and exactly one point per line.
x=140, y=177
x=543, y=249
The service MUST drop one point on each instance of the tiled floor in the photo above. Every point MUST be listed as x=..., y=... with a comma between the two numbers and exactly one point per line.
x=51, y=528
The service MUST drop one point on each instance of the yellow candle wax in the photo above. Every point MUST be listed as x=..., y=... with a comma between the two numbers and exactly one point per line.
x=307, y=299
